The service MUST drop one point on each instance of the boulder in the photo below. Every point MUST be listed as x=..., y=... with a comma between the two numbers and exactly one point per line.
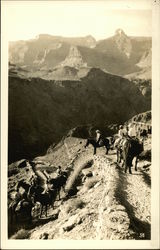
x=87, y=172
x=72, y=222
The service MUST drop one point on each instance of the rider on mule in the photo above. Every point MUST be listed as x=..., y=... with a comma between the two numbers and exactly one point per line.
x=40, y=177
x=21, y=195
x=122, y=133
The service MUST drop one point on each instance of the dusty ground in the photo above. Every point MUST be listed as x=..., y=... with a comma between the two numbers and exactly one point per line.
x=108, y=205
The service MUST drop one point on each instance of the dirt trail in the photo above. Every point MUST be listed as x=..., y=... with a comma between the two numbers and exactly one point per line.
x=113, y=221
x=134, y=192
x=127, y=197
x=102, y=203
x=138, y=196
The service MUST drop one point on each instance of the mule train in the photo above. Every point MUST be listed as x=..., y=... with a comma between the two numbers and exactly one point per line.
x=30, y=196
x=41, y=193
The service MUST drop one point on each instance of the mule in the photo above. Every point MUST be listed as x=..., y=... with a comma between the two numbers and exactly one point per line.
x=46, y=199
x=59, y=182
x=19, y=214
x=103, y=143
x=23, y=211
x=131, y=148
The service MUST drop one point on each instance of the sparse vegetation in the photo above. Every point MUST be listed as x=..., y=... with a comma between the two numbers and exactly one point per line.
x=73, y=205
x=91, y=182
x=88, y=164
x=21, y=234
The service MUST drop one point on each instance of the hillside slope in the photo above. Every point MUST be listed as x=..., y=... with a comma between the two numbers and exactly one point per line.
x=42, y=112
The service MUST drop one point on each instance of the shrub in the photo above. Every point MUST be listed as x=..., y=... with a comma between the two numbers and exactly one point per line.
x=74, y=205
x=88, y=164
x=91, y=182
x=21, y=234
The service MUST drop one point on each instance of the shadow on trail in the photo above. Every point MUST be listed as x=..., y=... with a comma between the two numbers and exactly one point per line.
x=137, y=174
x=146, y=178
x=141, y=229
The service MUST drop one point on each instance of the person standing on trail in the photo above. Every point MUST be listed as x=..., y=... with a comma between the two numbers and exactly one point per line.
x=125, y=131
x=121, y=132
x=131, y=131
x=98, y=136
x=41, y=179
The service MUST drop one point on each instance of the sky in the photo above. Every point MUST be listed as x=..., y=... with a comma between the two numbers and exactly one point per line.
x=22, y=20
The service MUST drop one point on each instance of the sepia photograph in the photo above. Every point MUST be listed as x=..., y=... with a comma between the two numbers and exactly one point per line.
x=80, y=127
